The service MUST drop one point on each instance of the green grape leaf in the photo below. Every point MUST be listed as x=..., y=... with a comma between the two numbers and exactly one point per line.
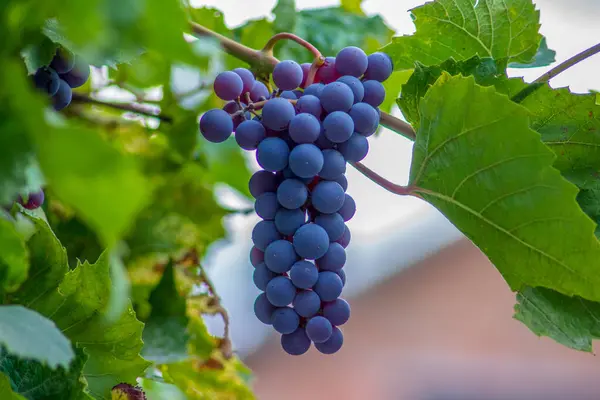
x=39, y=53
x=500, y=190
x=464, y=28
x=156, y=390
x=285, y=16
x=103, y=185
x=544, y=56
x=226, y=164
x=6, y=391
x=14, y=259
x=353, y=6
x=27, y=334
x=588, y=182
x=210, y=18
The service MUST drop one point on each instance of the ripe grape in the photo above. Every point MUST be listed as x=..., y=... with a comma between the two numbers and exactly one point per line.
x=34, y=200
x=314, y=90
x=216, y=125
x=256, y=256
x=277, y=114
x=289, y=174
x=379, y=67
x=306, y=303
x=280, y=291
x=295, y=343
x=263, y=309
x=329, y=286
x=333, y=344
x=348, y=208
x=63, y=96
x=342, y=274
x=262, y=276
x=259, y=92
x=288, y=94
x=318, y=329
x=304, y=128
x=266, y=205
x=264, y=233
x=306, y=160
x=63, y=61
x=345, y=239
x=334, y=165
x=309, y=104
x=280, y=256
x=337, y=312
x=355, y=85
x=322, y=142
x=272, y=154
x=365, y=118
x=304, y=274
x=334, y=259
x=374, y=93
x=338, y=126
x=46, y=79
x=288, y=221
x=333, y=225
x=327, y=73
x=292, y=194
x=285, y=320
x=305, y=69
x=342, y=180
x=354, y=149
x=327, y=197
x=337, y=96
x=287, y=75
x=262, y=181
x=228, y=85
x=351, y=61
x=311, y=241
x=78, y=75
x=249, y=134
x=247, y=79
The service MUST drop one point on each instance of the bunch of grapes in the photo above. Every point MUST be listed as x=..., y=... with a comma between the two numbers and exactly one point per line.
x=303, y=137
x=64, y=73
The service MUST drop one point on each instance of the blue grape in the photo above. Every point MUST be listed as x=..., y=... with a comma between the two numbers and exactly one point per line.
x=285, y=320
x=304, y=274
x=354, y=149
x=337, y=96
x=379, y=67
x=365, y=118
x=34, y=200
x=232, y=108
x=288, y=94
x=280, y=256
x=333, y=344
x=334, y=165
x=46, y=79
x=345, y=239
x=249, y=134
x=337, y=312
x=259, y=92
x=355, y=85
x=352, y=61
x=78, y=75
x=63, y=61
x=374, y=93
x=327, y=73
x=264, y=233
x=334, y=259
x=266, y=205
x=277, y=114
x=306, y=160
x=342, y=180
x=329, y=286
x=287, y=75
x=261, y=182
x=64, y=95
x=228, y=85
x=333, y=225
x=262, y=276
x=216, y=125
x=299, y=93
x=292, y=194
x=338, y=126
x=315, y=90
x=304, y=128
x=295, y=343
x=318, y=329
x=327, y=197
x=342, y=274
x=247, y=79
x=311, y=241
x=306, y=303
x=348, y=208
x=288, y=221
x=256, y=256
x=305, y=69
x=280, y=291
x=289, y=174
x=272, y=154
x=263, y=309
x=309, y=104
x=322, y=142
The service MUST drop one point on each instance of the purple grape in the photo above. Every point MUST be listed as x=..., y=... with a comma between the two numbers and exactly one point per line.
x=304, y=128
x=46, y=79
x=305, y=69
x=348, y=208
x=379, y=67
x=263, y=309
x=78, y=75
x=355, y=85
x=288, y=94
x=247, y=79
x=249, y=134
x=318, y=329
x=314, y=90
x=256, y=256
x=338, y=126
x=63, y=61
x=288, y=221
x=310, y=104
x=34, y=200
x=304, y=274
x=306, y=160
x=259, y=92
x=374, y=93
x=261, y=182
x=292, y=194
x=262, y=276
x=337, y=312
x=287, y=75
x=354, y=149
x=337, y=96
x=311, y=241
x=216, y=125
x=306, y=303
x=342, y=180
x=351, y=61
x=266, y=205
x=277, y=114
x=280, y=291
x=329, y=286
x=272, y=154
x=334, y=165
x=327, y=73
x=263, y=234
x=342, y=274
x=327, y=197
x=63, y=96
x=334, y=259
x=345, y=239
x=295, y=343
x=228, y=85
x=280, y=256
x=333, y=225
x=333, y=344
x=365, y=118
x=285, y=320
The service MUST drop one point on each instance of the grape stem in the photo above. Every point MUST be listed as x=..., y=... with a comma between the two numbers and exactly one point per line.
x=381, y=181
x=268, y=49
x=131, y=107
x=397, y=125
x=312, y=72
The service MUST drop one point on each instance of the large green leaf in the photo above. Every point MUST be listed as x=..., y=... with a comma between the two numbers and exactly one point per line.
x=465, y=28
x=544, y=56
x=14, y=259
x=26, y=334
x=476, y=160
x=6, y=391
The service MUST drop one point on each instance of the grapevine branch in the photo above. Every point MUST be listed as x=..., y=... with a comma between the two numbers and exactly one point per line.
x=131, y=107
x=268, y=49
x=381, y=181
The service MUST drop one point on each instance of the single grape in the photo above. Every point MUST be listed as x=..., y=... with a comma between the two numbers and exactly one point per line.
x=334, y=259
x=247, y=79
x=309, y=104
x=292, y=194
x=63, y=96
x=287, y=75
x=333, y=225
x=334, y=164
x=305, y=69
x=304, y=274
x=266, y=205
x=288, y=221
x=256, y=256
x=280, y=291
x=232, y=108
x=259, y=92
x=262, y=181
x=311, y=241
x=314, y=90
x=379, y=67
x=322, y=142
x=327, y=73
x=304, y=128
x=216, y=125
x=318, y=329
x=342, y=180
x=329, y=286
x=306, y=160
x=285, y=320
x=337, y=96
x=280, y=256
x=272, y=154
x=333, y=344
x=263, y=309
x=288, y=94
x=249, y=134
x=289, y=174
x=365, y=118
x=352, y=61
x=348, y=208
x=342, y=274
x=306, y=303
x=34, y=200
x=374, y=93
x=46, y=79
x=299, y=93
x=63, y=61
x=327, y=197
x=295, y=343
x=337, y=312
x=264, y=233
x=78, y=75
x=228, y=85
x=355, y=85
x=338, y=126
x=345, y=239
x=262, y=276
x=354, y=149
x=277, y=114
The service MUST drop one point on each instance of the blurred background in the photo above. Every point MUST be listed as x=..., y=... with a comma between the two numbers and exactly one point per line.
x=431, y=318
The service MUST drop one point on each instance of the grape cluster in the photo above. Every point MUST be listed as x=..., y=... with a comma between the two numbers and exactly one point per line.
x=303, y=138
x=64, y=73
